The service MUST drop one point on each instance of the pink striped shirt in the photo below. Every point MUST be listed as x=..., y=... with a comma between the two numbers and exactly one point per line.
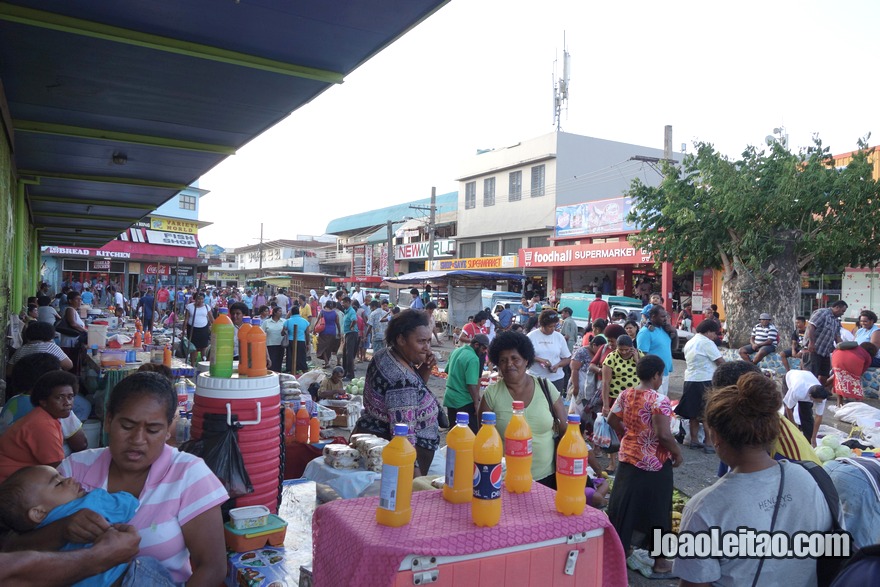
x=179, y=487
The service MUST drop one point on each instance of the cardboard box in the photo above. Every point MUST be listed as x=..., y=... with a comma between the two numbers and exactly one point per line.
x=346, y=417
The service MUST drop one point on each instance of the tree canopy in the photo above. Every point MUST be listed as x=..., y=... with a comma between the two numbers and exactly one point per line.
x=762, y=218
x=716, y=212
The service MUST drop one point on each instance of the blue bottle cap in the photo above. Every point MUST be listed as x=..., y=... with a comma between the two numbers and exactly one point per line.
x=255, y=321
x=488, y=417
x=401, y=429
x=462, y=418
x=224, y=310
x=574, y=419
x=246, y=319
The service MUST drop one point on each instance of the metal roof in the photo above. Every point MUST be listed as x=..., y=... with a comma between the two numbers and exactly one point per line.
x=397, y=213
x=117, y=106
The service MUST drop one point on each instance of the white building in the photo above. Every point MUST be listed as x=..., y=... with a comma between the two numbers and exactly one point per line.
x=508, y=196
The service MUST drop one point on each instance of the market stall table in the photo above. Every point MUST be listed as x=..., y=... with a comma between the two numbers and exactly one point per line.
x=350, y=548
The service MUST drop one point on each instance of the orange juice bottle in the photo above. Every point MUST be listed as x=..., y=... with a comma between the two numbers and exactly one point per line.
x=148, y=337
x=138, y=325
x=459, y=487
x=244, y=368
x=166, y=357
x=290, y=411
x=571, y=470
x=488, y=450
x=256, y=350
x=302, y=424
x=314, y=427
x=137, y=343
x=518, y=452
x=395, y=494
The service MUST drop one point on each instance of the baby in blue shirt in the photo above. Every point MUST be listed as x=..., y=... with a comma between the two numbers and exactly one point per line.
x=36, y=496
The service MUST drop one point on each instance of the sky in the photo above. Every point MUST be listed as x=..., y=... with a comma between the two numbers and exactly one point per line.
x=479, y=74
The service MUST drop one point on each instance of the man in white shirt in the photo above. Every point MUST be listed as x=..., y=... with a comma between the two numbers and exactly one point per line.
x=325, y=298
x=805, y=392
x=358, y=295
x=283, y=302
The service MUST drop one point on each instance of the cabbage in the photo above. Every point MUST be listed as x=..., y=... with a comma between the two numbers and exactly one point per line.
x=825, y=453
x=842, y=451
x=831, y=440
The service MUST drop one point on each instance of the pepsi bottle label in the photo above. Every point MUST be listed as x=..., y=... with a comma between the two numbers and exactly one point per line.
x=487, y=481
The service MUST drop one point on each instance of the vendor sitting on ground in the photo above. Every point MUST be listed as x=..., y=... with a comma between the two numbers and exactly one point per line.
x=36, y=496
x=763, y=340
x=332, y=386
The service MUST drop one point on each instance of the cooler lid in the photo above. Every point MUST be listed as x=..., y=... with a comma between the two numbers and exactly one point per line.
x=274, y=524
x=236, y=387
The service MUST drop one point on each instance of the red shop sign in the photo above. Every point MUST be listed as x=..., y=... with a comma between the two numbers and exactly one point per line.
x=619, y=253
x=153, y=269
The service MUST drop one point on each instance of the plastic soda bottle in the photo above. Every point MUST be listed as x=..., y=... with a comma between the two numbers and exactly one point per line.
x=518, y=452
x=459, y=487
x=395, y=493
x=182, y=395
x=302, y=424
x=571, y=470
x=148, y=337
x=488, y=449
x=290, y=410
x=256, y=350
x=137, y=343
x=222, y=345
x=166, y=357
x=314, y=428
x=244, y=364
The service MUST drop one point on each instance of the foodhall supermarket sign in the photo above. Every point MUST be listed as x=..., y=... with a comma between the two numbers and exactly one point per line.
x=504, y=262
x=620, y=253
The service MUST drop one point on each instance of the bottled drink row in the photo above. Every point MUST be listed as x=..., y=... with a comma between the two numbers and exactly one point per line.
x=474, y=471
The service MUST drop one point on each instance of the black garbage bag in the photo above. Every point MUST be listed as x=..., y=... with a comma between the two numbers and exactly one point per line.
x=218, y=447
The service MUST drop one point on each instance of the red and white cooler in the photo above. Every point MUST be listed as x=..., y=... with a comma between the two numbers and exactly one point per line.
x=256, y=402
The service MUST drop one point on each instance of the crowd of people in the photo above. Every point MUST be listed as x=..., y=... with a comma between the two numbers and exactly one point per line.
x=617, y=371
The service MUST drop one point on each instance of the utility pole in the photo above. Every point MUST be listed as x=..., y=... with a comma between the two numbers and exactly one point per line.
x=260, y=274
x=667, y=143
x=390, y=226
x=432, y=219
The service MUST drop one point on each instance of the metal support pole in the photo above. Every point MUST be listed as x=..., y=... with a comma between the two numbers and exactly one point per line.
x=390, y=226
x=431, y=220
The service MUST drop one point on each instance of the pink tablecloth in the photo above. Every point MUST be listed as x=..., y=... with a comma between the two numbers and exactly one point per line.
x=350, y=548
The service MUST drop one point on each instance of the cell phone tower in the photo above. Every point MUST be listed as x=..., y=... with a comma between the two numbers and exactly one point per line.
x=560, y=87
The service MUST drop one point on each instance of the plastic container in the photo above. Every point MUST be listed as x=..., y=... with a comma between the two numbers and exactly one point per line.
x=571, y=470
x=112, y=358
x=92, y=430
x=157, y=353
x=303, y=422
x=518, y=452
x=272, y=533
x=395, y=493
x=256, y=402
x=244, y=365
x=254, y=516
x=256, y=350
x=166, y=357
x=459, y=487
x=182, y=395
x=314, y=428
x=97, y=335
x=222, y=345
x=488, y=450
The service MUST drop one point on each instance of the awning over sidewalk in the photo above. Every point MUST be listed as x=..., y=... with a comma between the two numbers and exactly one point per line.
x=117, y=106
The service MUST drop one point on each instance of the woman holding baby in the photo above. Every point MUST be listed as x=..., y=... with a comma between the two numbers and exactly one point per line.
x=178, y=517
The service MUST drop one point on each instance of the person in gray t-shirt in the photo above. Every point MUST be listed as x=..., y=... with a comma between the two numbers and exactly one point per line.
x=744, y=421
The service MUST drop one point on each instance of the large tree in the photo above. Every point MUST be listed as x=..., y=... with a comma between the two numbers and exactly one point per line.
x=763, y=219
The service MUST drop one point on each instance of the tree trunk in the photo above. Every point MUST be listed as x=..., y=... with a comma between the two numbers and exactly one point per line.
x=775, y=288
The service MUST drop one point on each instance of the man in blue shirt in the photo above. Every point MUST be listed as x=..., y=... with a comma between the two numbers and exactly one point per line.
x=350, y=330
x=505, y=316
x=654, y=340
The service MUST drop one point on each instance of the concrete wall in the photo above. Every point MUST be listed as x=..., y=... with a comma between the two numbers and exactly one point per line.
x=589, y=169
x=527, y=214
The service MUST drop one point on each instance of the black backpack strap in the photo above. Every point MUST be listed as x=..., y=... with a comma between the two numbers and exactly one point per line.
x=829, y=491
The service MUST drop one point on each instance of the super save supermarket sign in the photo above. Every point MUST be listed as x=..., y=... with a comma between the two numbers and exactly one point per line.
x=619, y=253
